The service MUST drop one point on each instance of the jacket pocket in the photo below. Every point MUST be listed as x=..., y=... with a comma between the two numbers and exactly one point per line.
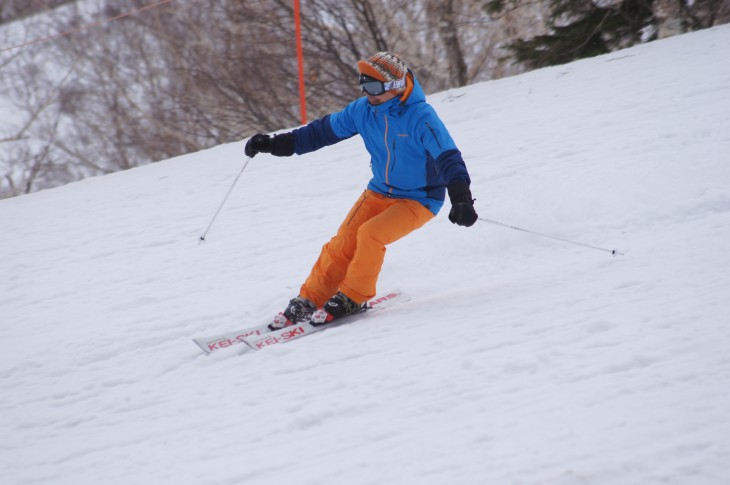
x=395, y=159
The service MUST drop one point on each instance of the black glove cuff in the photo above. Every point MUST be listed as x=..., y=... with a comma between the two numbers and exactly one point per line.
x=459, y=192
x=283, y=145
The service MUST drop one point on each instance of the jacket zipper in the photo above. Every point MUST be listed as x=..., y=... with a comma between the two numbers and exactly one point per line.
x=433, y=132
x=387, y=149
x=395, y=158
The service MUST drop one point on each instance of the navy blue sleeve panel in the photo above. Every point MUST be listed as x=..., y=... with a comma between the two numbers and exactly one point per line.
x=314, y=136
x=448, y=164
x=452, y=167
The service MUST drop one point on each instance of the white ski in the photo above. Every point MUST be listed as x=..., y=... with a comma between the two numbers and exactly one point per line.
x=287, y=334
x=225, y=340
x=221, y=341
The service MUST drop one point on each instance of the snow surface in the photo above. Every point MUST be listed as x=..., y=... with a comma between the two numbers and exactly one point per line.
x=520, y=360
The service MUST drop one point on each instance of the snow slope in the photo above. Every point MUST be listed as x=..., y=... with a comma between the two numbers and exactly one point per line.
x=520, y=360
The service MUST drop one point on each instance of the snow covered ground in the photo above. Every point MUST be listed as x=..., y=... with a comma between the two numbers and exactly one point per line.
x=519, y=360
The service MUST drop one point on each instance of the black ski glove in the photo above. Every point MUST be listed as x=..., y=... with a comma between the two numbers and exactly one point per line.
x=462, y=205
x=278, y=145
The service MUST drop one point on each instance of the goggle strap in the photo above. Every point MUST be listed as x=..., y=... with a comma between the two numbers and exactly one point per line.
x=397, y=84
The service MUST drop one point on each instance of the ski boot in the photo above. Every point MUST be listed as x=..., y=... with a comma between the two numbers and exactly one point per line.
x=299, y=309
x=338, y=306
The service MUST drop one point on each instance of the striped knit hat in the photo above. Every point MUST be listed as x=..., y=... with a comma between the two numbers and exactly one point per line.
x=384, y=66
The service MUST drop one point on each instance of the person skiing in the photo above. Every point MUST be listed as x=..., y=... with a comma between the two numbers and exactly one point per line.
x=414, y=162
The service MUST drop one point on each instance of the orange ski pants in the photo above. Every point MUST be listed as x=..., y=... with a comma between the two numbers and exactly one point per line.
x=351, y=261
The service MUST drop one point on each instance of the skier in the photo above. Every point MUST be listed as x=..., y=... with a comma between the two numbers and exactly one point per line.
x=414, y=162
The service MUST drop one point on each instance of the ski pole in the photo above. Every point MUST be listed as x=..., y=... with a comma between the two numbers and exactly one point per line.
x=235, y=181
x=612, y=251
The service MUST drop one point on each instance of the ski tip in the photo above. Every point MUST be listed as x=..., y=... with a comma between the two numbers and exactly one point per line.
x=202, y=345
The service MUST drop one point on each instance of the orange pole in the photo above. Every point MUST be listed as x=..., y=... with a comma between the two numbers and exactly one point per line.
x=300, y=61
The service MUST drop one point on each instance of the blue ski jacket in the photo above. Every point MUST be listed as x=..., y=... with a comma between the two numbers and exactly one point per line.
x=412, y=154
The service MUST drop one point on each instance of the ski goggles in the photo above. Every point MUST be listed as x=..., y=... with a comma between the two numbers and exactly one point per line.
x=374, y=87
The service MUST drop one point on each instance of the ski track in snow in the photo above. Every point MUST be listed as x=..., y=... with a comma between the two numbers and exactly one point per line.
x=520, y=360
